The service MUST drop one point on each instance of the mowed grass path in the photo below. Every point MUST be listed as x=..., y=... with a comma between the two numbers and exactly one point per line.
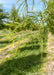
x=25, y=59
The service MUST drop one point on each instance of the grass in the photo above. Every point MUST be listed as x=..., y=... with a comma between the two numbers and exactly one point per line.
x=3, y=43
x=1, y=36
x=15, y=65
x=6, y=42
x=18, y=37
x=25, y=58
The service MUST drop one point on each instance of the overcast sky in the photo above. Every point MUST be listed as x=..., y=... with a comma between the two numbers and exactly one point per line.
x=7, y=4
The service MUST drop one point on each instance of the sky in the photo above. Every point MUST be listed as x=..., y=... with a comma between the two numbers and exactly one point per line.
x=7, y=4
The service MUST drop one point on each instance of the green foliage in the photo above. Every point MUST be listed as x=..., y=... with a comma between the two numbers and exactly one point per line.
x=44, y=3
x=24, y=4
x=28, y=23
x=29, y=57
x=22, y=24
x=26, y=59
x=13, y=14
x=50, y=11
x=50, y=22
x=44, y=33
x=42, y=36
x=3, y=15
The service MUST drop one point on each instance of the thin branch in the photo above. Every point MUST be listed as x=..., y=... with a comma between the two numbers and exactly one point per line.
x=46, y=17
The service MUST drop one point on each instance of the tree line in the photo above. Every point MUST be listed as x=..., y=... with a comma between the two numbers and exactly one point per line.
x=29, y=20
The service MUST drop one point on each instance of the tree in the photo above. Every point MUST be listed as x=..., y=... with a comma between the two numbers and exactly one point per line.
x=13, y=14
x=24, y=7
x=50, y=12
x=2, y=16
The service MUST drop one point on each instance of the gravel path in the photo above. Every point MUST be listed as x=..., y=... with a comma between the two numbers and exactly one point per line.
x=50, y=48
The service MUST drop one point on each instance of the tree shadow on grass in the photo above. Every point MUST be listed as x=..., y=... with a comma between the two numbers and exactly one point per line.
x=30, y=47
x=5, y=41
x=16, y=66
x=1, y=37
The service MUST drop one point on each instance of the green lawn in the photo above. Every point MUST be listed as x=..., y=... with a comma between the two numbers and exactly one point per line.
x=17, y=37
x=24, y=59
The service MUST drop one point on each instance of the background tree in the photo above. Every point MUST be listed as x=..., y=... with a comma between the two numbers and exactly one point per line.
x=13, y=14
x=50, y=13
x=3, y=15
